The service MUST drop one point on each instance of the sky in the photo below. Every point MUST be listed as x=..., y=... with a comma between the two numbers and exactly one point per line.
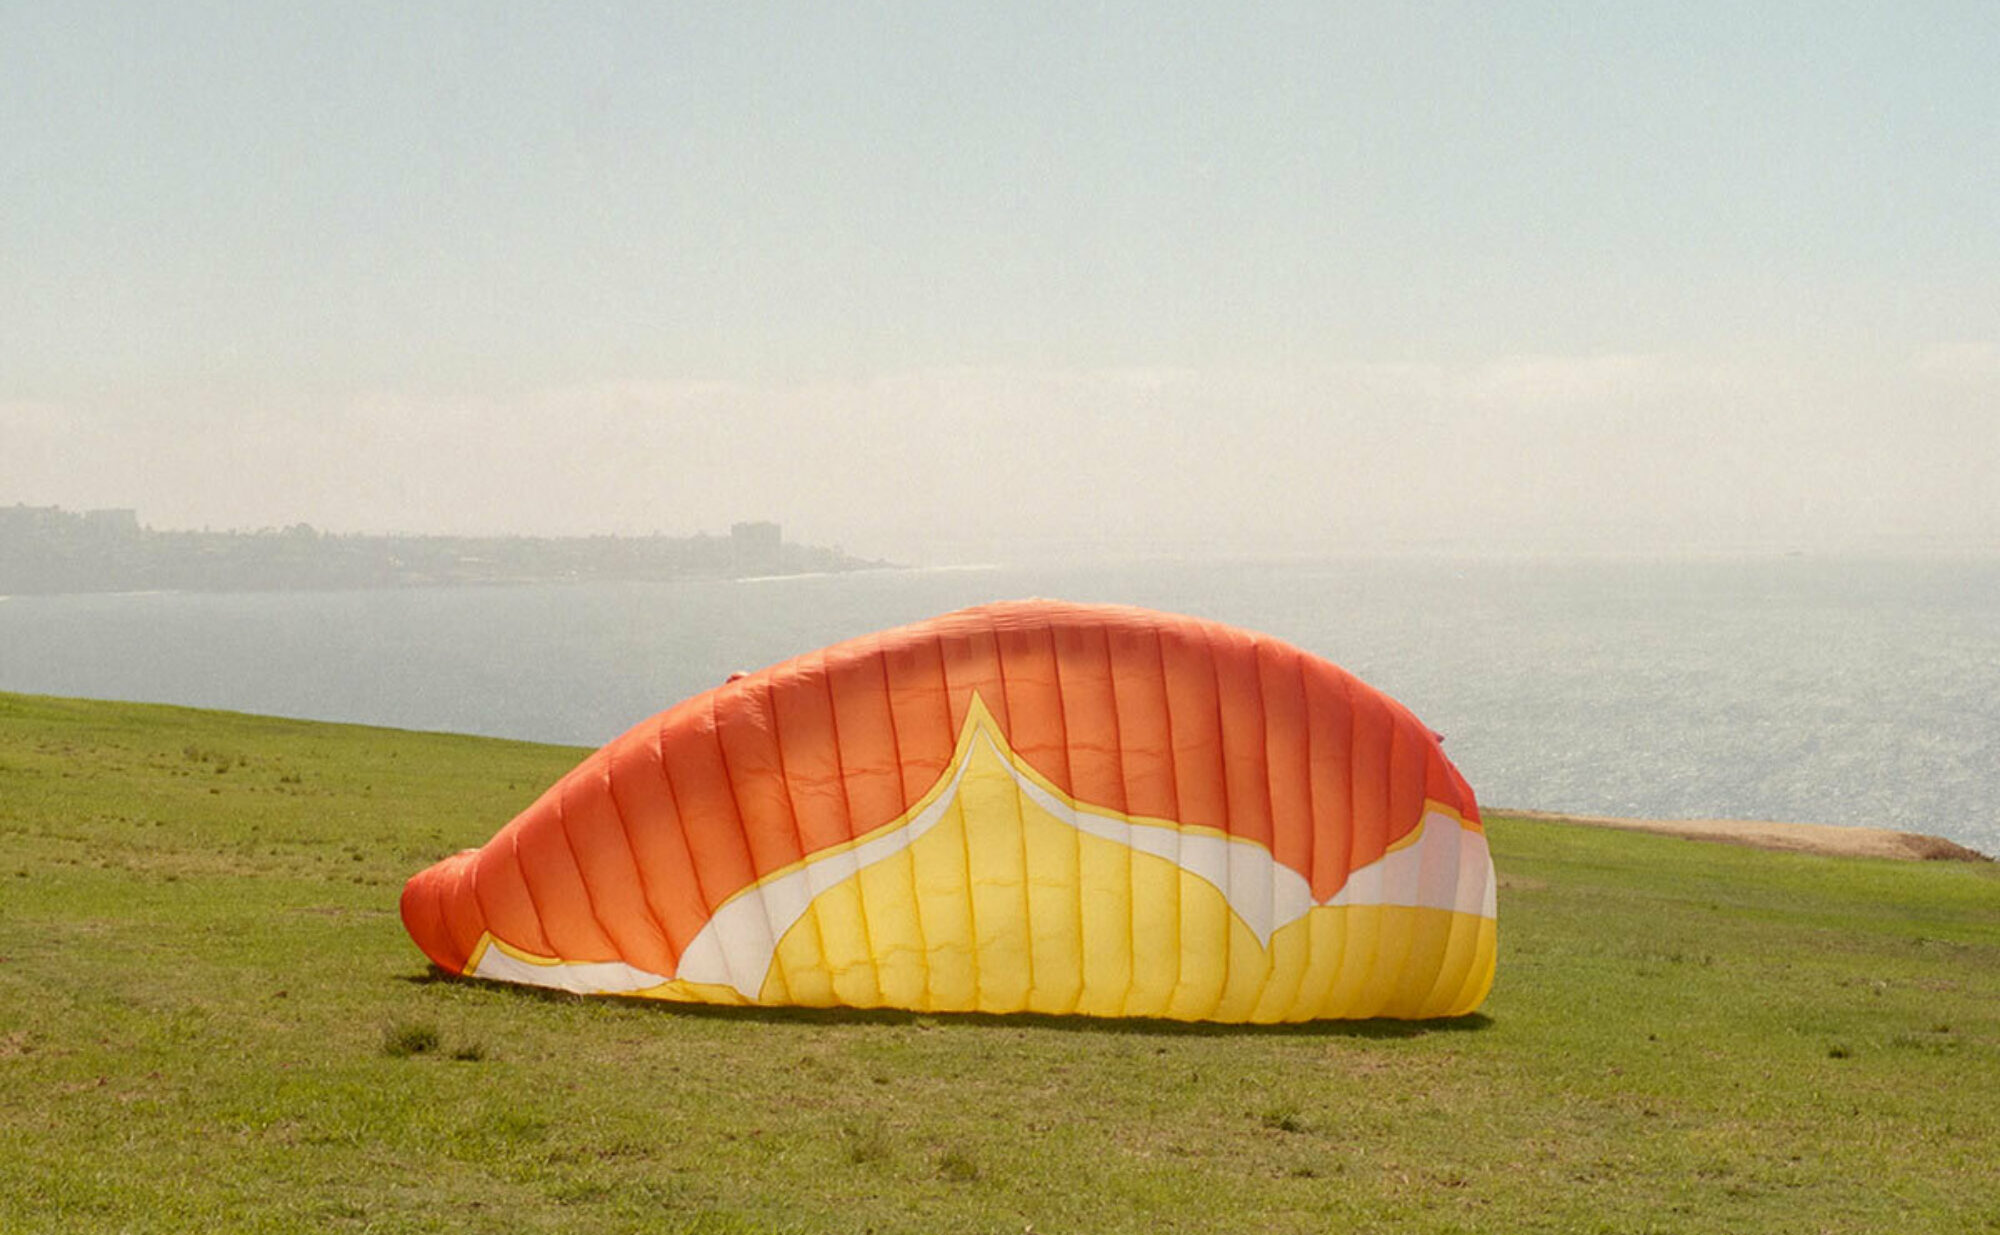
x=996, y=282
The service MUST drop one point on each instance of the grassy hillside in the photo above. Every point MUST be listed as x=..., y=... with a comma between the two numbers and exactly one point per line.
x=210, y=1019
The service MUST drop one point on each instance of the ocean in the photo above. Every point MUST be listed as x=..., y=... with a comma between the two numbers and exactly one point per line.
x=1845, y=691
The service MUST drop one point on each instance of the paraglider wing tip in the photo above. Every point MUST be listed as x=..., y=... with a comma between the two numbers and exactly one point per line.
x=423, y=910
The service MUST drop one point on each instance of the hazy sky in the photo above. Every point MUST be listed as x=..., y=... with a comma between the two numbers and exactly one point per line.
x=945, y=281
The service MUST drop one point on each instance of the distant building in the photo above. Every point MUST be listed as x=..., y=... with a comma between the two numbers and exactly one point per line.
x=47, y=550
x=112, y=522
x=54, y=519
x=758, y=536
x=19, y=518
x=756, y=546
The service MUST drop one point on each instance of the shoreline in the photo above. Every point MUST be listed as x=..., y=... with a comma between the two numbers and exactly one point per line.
x=1832, y=840
x=1826, y=839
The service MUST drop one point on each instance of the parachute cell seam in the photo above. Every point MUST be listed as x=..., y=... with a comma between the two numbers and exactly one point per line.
x=436, y=886
x=1408, y=730
x=743, y=836
x=964, y=830
x=1400, y=972
x=1312, y=829
x=1228, y=817
x=478, y=906
x=430, y=900
x=712, y=902
x=1348, y=756
x=847, y=811
x=1075, y=834
x=1441, y=983
x=548, y=947
x=1312, y=777
x=1478, y=977
x=1124, y=808
x=1375, y=956
x=464, y=893
x=638, y=868
x=903, y=799
x=1270, y=802
x=1263, y=714
x=589, y=901
x=792, y=808
x=1020, y=818
x=1372, y=1006
x=680, y=834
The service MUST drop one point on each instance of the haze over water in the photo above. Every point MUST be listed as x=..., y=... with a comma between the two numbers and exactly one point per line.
x=1861, y=692
x=985, y=283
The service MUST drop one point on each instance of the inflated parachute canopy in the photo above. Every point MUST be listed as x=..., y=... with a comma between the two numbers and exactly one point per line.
x=1023, y=807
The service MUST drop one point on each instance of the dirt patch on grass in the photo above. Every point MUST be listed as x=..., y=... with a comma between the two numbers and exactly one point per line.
x=1817, y=838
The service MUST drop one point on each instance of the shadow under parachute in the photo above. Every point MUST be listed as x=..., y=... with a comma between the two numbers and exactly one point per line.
x=1379, y=1027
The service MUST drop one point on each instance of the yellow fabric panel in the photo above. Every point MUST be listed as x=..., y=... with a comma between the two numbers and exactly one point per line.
x=1206, y=924
x=1354, y=944
x=1291, y=959
x=1458, y=952
x=1425, y=937
x=1053, y=914
x=1104, y=890
x=811, y=985
x=1153, y=941
x=1485, y=952
x=938, y=879
x=996, y=863
x=902, y=971
x=848, y=944
x=1394, y=978
x=1247, y=972
x=1343, y=980
x=1055, y=920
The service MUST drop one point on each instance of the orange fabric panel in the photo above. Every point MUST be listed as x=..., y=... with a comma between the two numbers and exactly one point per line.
x=458, y=910
x=1330, y=744
x=1409, y=742
x=1447, y=786
x=754, y=764
x=495, y=882
x=1287, y=756
x=608, y=865
x=708, y=816
x=1368, y=760
x=1139, y=699
x=644, y=802
x=1031, y=698
x=554, y=884
x=423, y=911
x=1090, y=716
x=813, y=762
x=918, y=707
x=1193, y=720
x=864, y=728
x=971, y=658
x=1246, y=774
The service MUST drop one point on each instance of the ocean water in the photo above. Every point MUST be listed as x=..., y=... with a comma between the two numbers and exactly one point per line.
x=1831, y=691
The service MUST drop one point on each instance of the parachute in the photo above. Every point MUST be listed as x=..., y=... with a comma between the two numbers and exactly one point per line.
x=1030, y=806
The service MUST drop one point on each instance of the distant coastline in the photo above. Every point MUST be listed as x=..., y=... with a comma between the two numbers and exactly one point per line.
x=1826, y=840
x=48, y=550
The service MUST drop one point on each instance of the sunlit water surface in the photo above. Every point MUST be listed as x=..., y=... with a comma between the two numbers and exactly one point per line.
x=1853, y=692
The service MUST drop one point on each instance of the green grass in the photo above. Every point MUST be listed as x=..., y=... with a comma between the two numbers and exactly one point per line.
x=210, y=1019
